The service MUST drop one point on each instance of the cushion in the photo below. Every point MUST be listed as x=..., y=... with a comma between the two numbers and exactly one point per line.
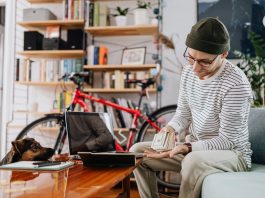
x=256, y=128
x=236, y=185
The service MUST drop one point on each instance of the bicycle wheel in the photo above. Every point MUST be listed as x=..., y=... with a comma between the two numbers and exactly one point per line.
x=49, y=131
x=161, y=117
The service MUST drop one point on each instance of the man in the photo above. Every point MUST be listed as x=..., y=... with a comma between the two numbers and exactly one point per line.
x=214, y=103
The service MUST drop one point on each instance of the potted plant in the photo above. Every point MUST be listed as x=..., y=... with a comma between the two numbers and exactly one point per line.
x=120, y=17
x=141, y=16
x=254, y=67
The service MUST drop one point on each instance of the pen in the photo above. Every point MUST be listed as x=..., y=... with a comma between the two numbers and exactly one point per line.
x=42, y=164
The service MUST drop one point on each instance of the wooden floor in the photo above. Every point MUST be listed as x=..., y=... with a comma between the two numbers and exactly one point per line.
x=134, y=193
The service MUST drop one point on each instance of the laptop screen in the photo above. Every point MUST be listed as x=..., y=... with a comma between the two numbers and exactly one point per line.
x=89, y=132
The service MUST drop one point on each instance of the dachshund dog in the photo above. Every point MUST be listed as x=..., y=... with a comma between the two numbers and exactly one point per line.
x=27, y=149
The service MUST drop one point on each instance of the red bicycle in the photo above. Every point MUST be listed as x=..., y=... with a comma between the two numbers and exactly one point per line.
x=50, y=130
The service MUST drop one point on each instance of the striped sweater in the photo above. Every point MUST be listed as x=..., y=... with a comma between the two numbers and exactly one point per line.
x=215, y=110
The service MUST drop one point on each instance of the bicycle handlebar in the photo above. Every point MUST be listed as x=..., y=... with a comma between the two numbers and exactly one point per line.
x=74, y=74
x=147, y=82
x=76, y=78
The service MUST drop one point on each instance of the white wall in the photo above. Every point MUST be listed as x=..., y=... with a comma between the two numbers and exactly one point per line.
x=178, y=17
x=8, y=70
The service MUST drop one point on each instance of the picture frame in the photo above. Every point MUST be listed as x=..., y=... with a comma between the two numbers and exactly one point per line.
x=237, y=21
x=133, y=56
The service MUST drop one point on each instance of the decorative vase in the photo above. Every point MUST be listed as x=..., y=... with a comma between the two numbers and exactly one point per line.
x=121, y=20
x=141, y=16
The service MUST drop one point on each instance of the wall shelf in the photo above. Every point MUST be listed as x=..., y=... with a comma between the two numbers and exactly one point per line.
x=45, y=1
x=37, y=112
x=16, y=126
x=52, y=53
x=44, y=83
x=112, y=90
x=44, y=24
x=60, y=1
x=120, y=67
x=122, y=31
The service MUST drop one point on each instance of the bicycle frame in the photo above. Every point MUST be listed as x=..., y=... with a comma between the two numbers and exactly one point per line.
x=79, y=97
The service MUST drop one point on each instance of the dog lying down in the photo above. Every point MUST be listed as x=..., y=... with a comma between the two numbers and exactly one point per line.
x=27, y=149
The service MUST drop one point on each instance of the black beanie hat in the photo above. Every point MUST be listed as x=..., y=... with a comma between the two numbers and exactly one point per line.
x=209, y=35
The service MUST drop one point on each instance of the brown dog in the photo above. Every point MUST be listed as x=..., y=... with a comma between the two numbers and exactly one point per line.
x=27, y=149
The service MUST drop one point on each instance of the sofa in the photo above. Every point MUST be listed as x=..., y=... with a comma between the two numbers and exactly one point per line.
x=243, y=184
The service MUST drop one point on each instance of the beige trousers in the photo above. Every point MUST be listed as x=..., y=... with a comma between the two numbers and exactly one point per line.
x=193, y=167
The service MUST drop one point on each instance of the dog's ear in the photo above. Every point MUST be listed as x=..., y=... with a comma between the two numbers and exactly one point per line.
x=20, y=146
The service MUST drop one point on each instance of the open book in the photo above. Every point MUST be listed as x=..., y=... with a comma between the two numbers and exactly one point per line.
x=28, y=165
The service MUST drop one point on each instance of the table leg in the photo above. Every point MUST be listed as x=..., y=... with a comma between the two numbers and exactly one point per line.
x=125, y=188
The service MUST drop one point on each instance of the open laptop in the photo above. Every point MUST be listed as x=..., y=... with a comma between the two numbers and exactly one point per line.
x=91, y=132
x=80, y=125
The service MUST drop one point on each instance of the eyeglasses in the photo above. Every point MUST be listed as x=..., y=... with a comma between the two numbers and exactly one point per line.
x=202, y=62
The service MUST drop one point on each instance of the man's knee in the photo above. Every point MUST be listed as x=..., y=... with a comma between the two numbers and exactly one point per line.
x=193, y=161
x=138, y=147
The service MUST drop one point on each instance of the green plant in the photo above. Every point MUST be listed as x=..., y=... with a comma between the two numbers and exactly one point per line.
x=254, y=67
x=258, y=43
x=121, y=12
x=143, y=4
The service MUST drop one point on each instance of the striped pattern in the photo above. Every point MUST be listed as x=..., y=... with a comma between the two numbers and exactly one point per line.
x=215, y=110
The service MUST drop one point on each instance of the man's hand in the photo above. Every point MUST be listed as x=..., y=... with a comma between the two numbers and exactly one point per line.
x=155, y=154
x=179, y=149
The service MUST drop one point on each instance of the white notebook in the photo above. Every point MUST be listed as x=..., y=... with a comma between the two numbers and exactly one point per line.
x=28, y=165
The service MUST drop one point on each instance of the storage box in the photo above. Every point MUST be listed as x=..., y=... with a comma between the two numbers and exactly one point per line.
x=33, y=40
x=53, y=44
x=38, y=14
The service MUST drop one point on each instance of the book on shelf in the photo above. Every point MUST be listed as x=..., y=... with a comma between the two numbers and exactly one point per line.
x=107, y=80
x=103, y=55
x=103, y=14
x=73, y=9
x=64, y=98
x=97, y=55
x=119, y=79
x=46, y=70
x=96, y=14
x=91, y=13
x=65, y=9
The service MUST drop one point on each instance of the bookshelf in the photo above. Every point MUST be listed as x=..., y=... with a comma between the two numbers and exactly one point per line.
x=48, y=84
x=43, y=24
x=124, y=31
x=59, y=54
x=35, y=112
x=45, y=1
x=54, y=54
x=92, y=31
x=112, y=90
x=120, y=67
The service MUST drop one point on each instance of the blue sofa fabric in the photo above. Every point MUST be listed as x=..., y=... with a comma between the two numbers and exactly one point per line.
x=243, y=184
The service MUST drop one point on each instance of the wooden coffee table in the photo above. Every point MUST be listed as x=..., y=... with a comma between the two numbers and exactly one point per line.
x=75, y=182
